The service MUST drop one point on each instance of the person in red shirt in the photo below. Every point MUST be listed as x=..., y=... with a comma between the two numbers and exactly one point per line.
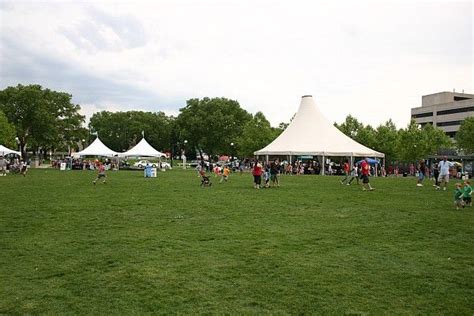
x=365, y=171
x=257, y=175
x=347, y=170
x=100, y=173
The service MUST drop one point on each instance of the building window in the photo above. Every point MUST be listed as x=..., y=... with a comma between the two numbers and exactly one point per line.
x=422, y=115
x=461, y=98
x=452, y=111
x=451, y=134
x=452, y=123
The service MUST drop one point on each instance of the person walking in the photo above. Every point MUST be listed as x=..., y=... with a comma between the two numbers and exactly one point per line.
x=3, y=166
x=436, y=175
x=444, y=166
x=365, y=170
x=257, y=175
x=354, y=174
x=467, y=193
x=346, y=168
x=100, y=173
x=274, y=170
x=421, y=173
x=225, y=174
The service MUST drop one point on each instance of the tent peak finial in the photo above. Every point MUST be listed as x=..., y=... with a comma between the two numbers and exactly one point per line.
x=307, y=96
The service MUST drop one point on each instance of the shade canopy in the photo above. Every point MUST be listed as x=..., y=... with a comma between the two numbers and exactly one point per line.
x=310, y=133
x=142, y=149
x=7, y=151
x=97, y=148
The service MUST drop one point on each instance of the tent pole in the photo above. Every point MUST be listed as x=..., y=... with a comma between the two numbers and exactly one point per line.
x=322, y=167
x=352, y=162
x=376, y=165
x=266, y=159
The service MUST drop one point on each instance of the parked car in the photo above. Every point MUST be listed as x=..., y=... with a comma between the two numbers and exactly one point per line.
x=143, y=163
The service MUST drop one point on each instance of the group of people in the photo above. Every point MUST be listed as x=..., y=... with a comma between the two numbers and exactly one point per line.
x=351, y=174
x=269, y=172
x=14, y=166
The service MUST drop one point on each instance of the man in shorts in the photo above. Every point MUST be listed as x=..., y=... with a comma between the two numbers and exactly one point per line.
x=274, y=170
x=365, y=171
x=444, y=166
x=421, y=173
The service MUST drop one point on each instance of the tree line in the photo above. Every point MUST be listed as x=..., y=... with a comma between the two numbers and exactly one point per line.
x=40, y=120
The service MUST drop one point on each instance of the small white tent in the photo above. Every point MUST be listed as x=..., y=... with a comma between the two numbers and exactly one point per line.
x=142, y=149
x=97, y=148
x=310, y=133
x=6, y=151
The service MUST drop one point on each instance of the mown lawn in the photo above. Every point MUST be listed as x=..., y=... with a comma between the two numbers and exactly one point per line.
x=165, y=245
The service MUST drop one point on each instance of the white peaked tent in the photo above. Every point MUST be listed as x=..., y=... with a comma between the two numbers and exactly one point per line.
x=6, y=151
x=142, y=149
x=310, y=133
x=97, y=148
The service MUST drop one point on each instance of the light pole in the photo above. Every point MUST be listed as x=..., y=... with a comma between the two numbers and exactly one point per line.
x=232, y=154
x=17, y=140
x=184, y=153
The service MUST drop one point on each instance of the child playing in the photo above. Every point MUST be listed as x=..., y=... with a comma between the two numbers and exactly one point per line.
x=225, y=174
x=467, y=193
x=266, y=176
x=458, y=194
x=354, y=174
x=100, y=173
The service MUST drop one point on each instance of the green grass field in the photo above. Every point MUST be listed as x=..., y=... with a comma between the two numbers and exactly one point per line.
x=165, y=245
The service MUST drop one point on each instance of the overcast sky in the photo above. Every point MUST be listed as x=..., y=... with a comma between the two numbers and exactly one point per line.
x=371, y=59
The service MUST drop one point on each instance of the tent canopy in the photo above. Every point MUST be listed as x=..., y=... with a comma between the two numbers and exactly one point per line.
x=142, y=149
x=310, y=133
x=6, y=151
x=97, y=148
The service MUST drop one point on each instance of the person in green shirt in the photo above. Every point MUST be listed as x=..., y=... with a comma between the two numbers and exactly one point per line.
x=458, y=193
x=467, y=193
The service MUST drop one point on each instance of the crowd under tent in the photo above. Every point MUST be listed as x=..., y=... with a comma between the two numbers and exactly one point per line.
x=7, y=151
x=142, y=149
x=97, y=148
x=310, y=133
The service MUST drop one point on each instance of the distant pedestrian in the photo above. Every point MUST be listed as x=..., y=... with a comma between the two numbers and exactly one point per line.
x=257, y=175
x=100, y=173
x=274, y=170
x=467, y=193
x=365, y=170
x=23, y=168
x=354, y=174
x=421, y=173
x=346, y=169
x=266, y=176
x=436, y=175
x=458, y=194
x=3, y=166
x=225, y=174
x=444, y=166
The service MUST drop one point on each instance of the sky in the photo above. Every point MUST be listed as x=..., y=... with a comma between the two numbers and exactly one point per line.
x=371, y=59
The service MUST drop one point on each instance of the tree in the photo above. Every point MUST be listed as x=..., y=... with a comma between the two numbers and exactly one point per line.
x=351, y=126
x=7, y=132
x=211, y=125
x=42, y=118
x=434, y=139
x=410, y=145
x=386, y=140
x=465, y=135
x=122, y=130
x=256, y=134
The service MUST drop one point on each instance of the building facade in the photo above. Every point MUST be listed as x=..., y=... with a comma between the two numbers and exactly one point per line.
x=445, y=110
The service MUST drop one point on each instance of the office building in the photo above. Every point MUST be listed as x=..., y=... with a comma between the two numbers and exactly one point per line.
x=445, y=110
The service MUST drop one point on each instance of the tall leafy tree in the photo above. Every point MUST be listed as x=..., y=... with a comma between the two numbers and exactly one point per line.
x=7, y=132
x=211, y=125
x=386, y=140
x=42, y=117
x=465, y=136
x=256, y=134
x=122, y=130
x=351, y=126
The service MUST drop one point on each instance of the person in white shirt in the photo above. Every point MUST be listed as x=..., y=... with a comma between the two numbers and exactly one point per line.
x=444, y=166
x=3, y=166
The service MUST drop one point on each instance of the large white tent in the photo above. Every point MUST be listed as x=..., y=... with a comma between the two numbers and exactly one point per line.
x=97, y=148
x=310, y=133
x=142, y=149
x=6, y=151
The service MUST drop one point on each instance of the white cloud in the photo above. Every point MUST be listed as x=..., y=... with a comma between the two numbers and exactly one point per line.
x=370, y=59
